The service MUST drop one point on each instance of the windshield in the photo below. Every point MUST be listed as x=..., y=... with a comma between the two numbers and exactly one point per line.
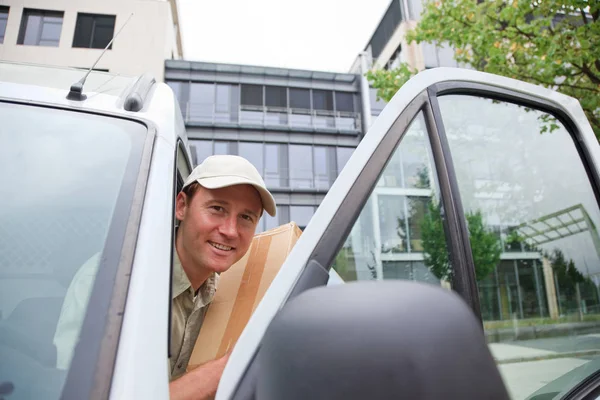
x=64, y=175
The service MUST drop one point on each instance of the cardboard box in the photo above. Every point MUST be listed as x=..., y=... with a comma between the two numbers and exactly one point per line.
x=240, y=290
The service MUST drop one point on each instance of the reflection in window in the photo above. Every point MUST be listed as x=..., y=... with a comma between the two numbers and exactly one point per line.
x=396, y=235
x=225, y=104
x=520, y=170
x=204, y=149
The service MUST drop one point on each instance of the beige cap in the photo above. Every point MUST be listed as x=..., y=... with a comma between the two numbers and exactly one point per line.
x=221, y=171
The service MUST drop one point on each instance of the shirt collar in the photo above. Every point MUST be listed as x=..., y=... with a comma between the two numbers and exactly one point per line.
x=181, y=282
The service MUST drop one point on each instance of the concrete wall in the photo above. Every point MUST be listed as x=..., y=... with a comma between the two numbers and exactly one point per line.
x=148, y=39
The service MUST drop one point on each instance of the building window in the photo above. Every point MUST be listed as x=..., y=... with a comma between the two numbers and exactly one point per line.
x=343, y=155
x=252, y=95
x=276, y=96
x=301, y=168
x=93, y=31
x=344, y=102
x=301, y=215
x=3, y=21
x=40, y=28
x=323, y=100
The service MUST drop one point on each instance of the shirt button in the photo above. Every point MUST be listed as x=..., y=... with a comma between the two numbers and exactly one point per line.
x=180, y=365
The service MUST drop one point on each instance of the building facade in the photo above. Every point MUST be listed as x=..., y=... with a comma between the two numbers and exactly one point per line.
x=74, y=33
x=297, y=127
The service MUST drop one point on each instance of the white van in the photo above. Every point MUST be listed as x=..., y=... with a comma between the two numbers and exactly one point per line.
x=95, y=170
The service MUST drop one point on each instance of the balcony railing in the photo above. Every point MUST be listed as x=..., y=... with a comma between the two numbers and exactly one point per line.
x=274, y=117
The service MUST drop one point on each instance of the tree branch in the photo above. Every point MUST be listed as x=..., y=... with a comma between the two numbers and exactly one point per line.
x=589, y=73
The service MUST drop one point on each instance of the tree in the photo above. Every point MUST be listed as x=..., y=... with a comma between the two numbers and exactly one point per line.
x=485, y=246
x=553, y=43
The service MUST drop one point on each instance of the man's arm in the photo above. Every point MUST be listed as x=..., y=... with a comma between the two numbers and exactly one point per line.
x=200, y=383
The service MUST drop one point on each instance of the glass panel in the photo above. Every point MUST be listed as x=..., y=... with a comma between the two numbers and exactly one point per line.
x=224, y=105
x=322, y=100
x=252, y=95
x=301, y=215
x=103, y=32
x=274, y=176
x=298, y=119
x=344, y=101
x=521, y=180
x=399, y=233
x=3, y=21
x=276, y=118
x=253, y=152
x=202, y=102
x=300, y=98
x=50, y=35
x=204, y=148
x=83, y=30
x=176, y=87
x=54, y=225
x=346, y=123
x=222, y=148
x=301, y=170
x=343, y=155
x=33, y=26
x=322, y=167
x=276, y=96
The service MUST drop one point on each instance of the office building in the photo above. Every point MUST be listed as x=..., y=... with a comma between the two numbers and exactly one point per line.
x=74, y=33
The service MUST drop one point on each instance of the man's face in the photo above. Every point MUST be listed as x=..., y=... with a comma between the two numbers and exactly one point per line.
x=217, y=225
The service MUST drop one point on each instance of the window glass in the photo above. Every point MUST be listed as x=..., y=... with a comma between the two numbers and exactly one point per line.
x=323, y=167
x=275, y=96
x=274, y=175
x=343, y=155
x=93, y=30
x=376, y=105
x=252, y=95
x=253, y=152
x=204, y=148
x=301, y=215
x=323, y=100
x=344, y=101
x=399, y=233
x=3, y=20
x=54, y=225
x=301, y=166
x=524, y=188
x=222, y=148
x=225, y=103
x=40, y=27
x=300, y=98
x=202, y=102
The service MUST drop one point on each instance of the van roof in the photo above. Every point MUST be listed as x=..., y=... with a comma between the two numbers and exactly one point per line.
x=63, y=77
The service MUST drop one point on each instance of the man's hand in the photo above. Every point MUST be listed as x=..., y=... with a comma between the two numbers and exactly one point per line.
x=200, y=383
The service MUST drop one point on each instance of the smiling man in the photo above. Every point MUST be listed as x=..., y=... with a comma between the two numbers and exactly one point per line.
x=218, y=211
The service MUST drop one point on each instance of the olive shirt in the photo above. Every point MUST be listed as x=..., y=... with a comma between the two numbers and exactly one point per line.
x=187, y=314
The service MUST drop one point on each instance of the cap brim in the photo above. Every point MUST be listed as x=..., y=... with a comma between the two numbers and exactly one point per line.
x=219, y=182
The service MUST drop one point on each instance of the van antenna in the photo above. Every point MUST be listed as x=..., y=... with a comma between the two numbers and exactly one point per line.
x=76, y=90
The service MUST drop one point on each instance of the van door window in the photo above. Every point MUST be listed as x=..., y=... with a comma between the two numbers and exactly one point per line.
x=399, y=233
x=533, y=218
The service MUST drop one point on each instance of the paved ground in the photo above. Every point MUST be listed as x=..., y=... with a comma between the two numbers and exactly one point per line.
x=528, y=365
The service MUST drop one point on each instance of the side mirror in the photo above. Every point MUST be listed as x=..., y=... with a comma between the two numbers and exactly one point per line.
x=377, y=340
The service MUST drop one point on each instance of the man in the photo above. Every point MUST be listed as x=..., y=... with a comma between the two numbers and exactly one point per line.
x=218, y=210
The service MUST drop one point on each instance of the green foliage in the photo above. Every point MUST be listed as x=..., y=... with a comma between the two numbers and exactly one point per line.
x=485, y=246
x=552, y=43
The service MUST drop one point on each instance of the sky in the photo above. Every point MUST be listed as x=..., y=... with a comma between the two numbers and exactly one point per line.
x=324, y=35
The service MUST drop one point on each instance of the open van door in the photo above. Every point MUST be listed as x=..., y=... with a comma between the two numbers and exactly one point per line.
x=480, y=184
